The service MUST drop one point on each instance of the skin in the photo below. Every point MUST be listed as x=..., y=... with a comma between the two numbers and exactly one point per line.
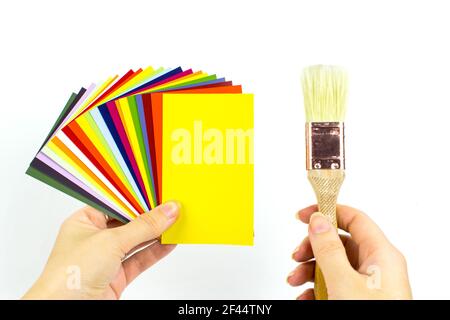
x=100, y=251
x=363, y=265
x=107, y=256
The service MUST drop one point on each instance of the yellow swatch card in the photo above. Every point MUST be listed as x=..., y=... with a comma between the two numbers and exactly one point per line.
x=207, y=166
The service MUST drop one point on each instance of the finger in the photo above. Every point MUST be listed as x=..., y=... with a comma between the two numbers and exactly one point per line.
x=304, y=251
x=354, y=221
x=308, y=294
x=146, y=227
x=144, y=259
x=304, y=214
x=113, y=223
x=360, y=226
x=328, y=250
x=140, y=247
x=302, y=274
x=90, y=216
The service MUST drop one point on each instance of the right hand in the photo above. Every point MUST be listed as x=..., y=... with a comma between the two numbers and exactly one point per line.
x=364, y=265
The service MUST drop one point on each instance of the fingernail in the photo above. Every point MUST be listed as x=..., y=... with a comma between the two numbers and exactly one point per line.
x=297, y=215
x=170, y=209
x=301, y=297
x=290, y=275
x=319, y=224
x=295, y=251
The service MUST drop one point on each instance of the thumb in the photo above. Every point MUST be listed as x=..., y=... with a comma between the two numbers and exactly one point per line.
x=147, y=226
x=328, y=250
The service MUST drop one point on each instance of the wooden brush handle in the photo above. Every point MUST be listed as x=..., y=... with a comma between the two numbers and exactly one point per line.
x=326, y=185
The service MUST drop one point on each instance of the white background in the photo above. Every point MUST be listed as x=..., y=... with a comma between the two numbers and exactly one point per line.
x=396, y=52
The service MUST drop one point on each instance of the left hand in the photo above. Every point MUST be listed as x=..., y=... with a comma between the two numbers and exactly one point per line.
x=88, y=259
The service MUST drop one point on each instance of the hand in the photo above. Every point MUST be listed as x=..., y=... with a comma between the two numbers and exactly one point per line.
x=88, y=259
x=364, y=265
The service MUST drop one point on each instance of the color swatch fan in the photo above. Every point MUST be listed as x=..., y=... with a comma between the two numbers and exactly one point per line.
x=132, y=142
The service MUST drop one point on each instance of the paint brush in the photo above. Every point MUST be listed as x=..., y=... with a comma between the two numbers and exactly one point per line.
x=325, y=95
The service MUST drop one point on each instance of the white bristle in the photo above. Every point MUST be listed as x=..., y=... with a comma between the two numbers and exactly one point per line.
x=325, y=93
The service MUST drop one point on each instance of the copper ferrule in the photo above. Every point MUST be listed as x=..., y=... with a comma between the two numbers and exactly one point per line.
x=325, y=145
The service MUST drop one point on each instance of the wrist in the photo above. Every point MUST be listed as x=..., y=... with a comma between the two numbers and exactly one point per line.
x=55, y=287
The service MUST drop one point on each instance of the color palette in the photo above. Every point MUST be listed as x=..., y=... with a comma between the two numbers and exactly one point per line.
x=129, y=143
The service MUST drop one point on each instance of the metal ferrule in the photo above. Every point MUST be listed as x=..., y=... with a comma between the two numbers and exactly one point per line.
x=325, y=145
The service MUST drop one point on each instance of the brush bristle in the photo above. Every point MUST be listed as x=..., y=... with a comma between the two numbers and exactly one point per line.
x=325, y=93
